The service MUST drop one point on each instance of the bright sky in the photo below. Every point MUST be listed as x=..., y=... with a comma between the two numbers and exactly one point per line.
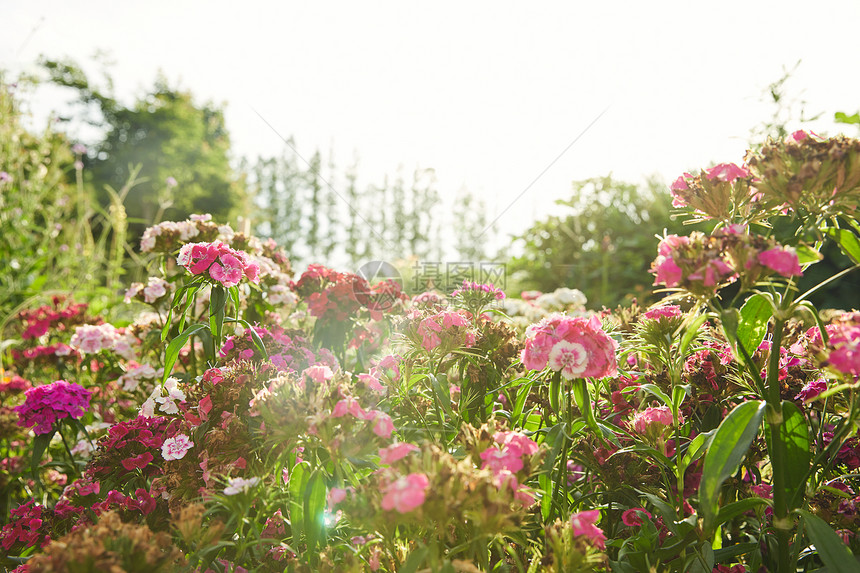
x=487, y=93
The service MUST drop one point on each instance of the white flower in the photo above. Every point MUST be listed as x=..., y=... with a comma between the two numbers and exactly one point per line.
x=155, y=289
x=174, y=395
x=239, y=485
x=176, y=447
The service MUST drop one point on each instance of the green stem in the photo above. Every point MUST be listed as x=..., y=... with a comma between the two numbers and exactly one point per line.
x=781, y=520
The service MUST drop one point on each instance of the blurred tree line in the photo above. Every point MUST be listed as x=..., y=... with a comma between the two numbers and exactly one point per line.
x=179, y=151
x=166, y=156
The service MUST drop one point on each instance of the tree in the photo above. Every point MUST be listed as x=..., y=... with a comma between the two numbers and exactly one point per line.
x=604, y=246
x=173, y=138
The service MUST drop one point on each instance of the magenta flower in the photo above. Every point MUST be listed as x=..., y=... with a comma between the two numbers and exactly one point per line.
x=176, y=447
x=224, y=265
x=727, y=172
x=782, y=260
x=47, y=404
x=396, y=452
x=811, y=390
x=583, y=523
x=137, y=462
x=633, y=517
x=228, y=272
x=666, y=272
x=406, y=493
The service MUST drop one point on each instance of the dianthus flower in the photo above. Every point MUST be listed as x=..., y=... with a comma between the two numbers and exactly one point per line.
x=219, y=262
x=176, y=447
x=583, y=523
x=585, y=349
x=783, y=260
x=633, y=517
x=396, y=452
x=665, y=311
x=238, y=485
x=844, y=345
x=653, y=418
x=406, y=493
x=47, y=404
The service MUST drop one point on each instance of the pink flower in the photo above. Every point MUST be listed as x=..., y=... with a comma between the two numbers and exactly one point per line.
x=782, y=260
x=335, y=496
x=844, y=346
x=176, y=447
x=372, y=381
x=406, y=493
x=665, y=311
x=517, y=442
x=632, y=516
x=667, y=272
x=44, y=405
x=501, y=459
x=137, y=462
x=396, y=452
x=228, y=272
x=568, y=357
x=812, y=389
x=542, y=337
x=727, y=172
x=383, y=426
x=583, y=523
x=653, y=417
x=318, y=373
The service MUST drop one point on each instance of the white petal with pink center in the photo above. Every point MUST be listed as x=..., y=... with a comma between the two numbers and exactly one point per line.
x=569, y=357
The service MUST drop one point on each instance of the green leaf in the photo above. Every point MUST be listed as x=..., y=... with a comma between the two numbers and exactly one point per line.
x=40, y=444
x=217, y=304
x=696, y=448
x=519, y=405
x=847, y=242
x=555, y=392
x=314, y=507
x=727, y=449
x=752, y=328
x=832, y=550
x=583, y=402
x=172, y=352
x=690, y=334
x=736, y=508
x=794, y=434
x=299, y=477
x=658, y=392
x=807, y=255
x=415, y=560
x=842, y=117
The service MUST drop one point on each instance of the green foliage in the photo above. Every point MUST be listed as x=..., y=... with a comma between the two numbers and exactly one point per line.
x=169, y=135
x=602, y=246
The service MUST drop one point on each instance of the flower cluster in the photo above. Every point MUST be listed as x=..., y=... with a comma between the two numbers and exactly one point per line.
x=219, y=263
x=47, y=404
x=808, y=174
x=93, y=338
x=127, y=447
x=703, y=263
x=167, y=236
x=575, y=346
x=154, y=290
x=449, y=327
x=37, y=322
x=844, y=344
x=718, y=192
